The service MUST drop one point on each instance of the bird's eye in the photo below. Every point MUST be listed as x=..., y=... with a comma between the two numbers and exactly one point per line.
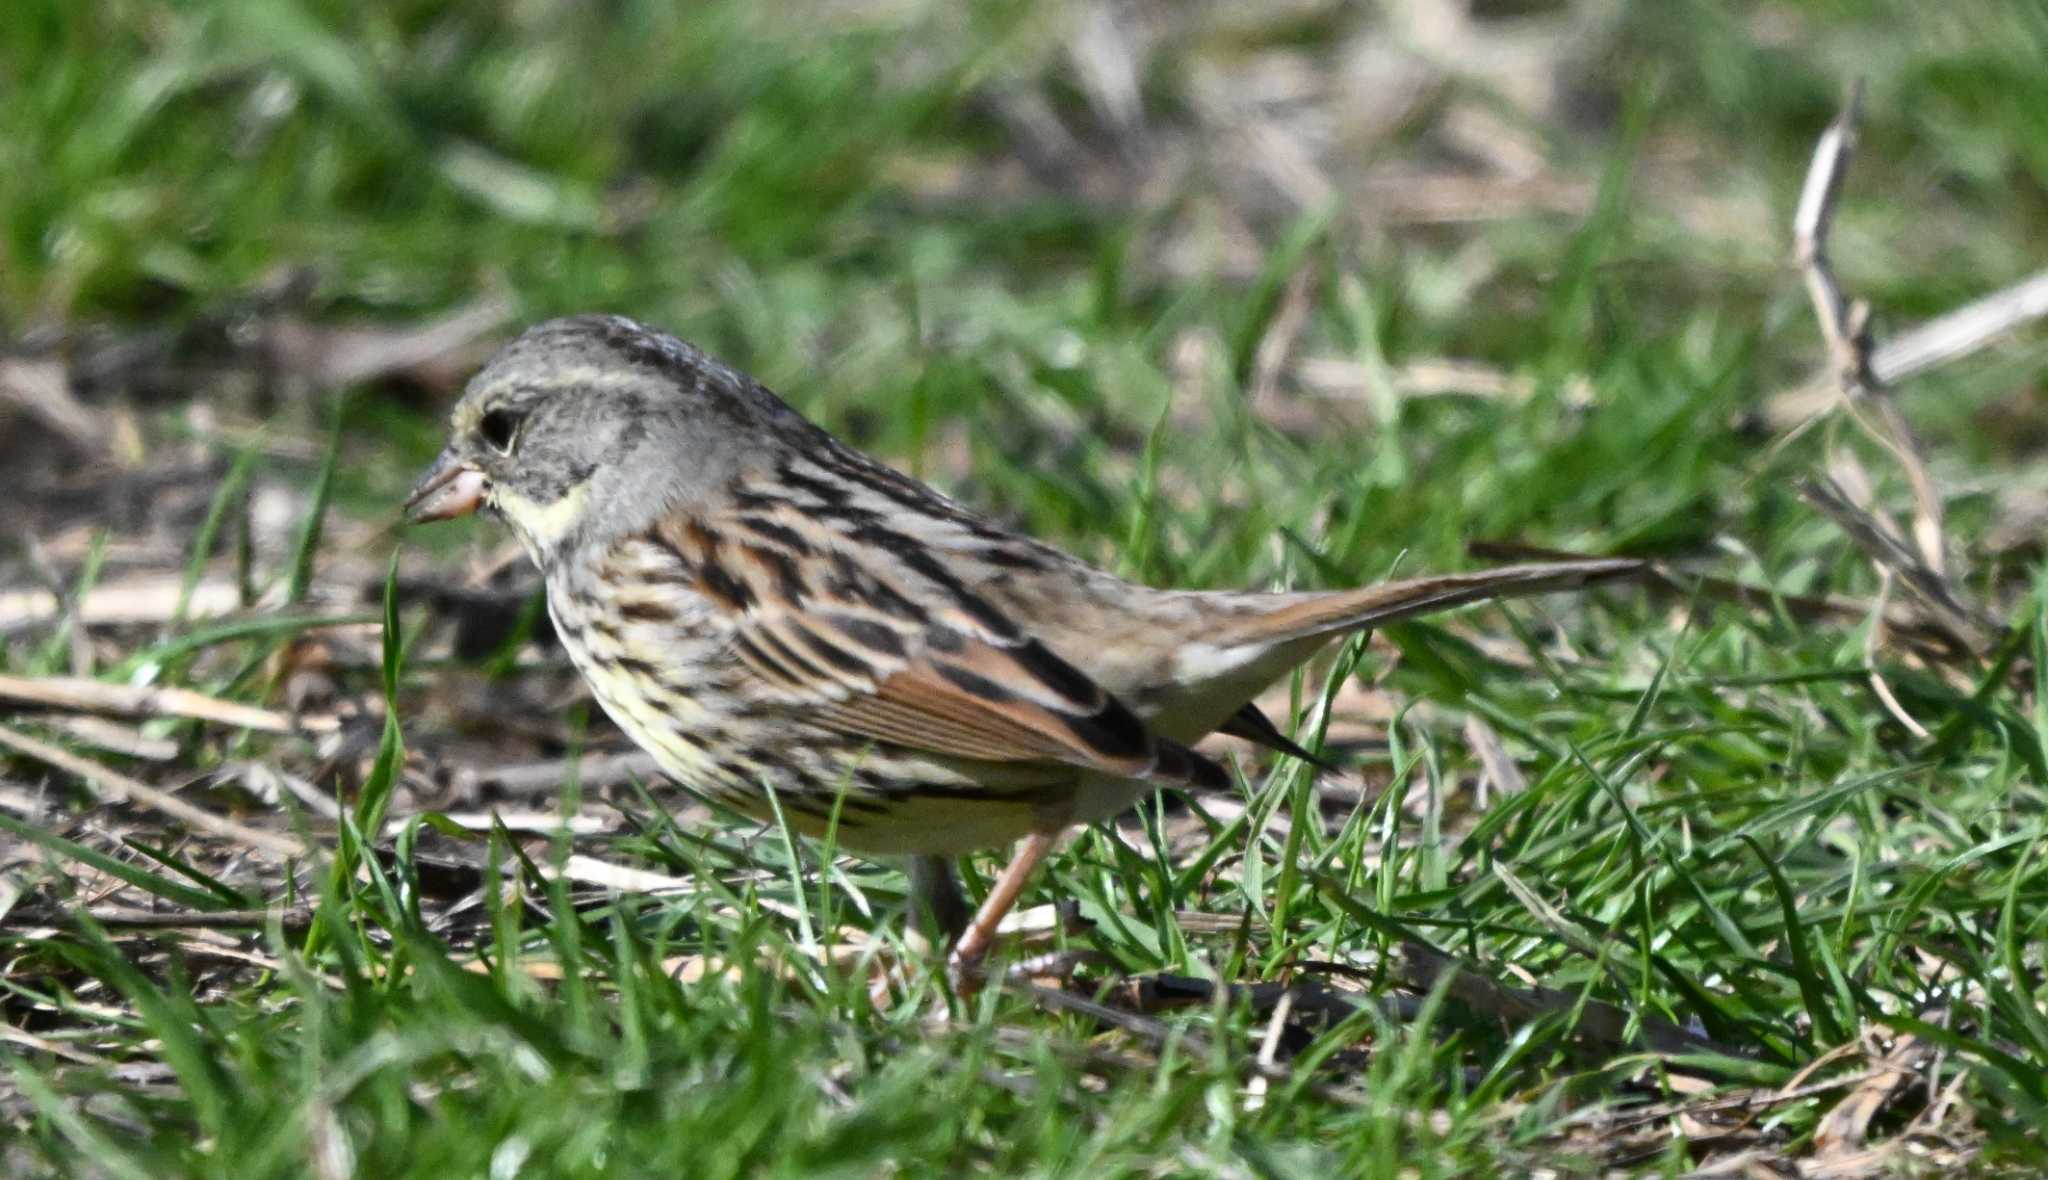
x=500, y=429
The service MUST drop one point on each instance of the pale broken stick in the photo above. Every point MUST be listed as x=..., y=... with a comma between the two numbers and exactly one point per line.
x=1960, y=332
x=1845, y=325
x=1863, y=368
x=1842, y=323
x=80, y=695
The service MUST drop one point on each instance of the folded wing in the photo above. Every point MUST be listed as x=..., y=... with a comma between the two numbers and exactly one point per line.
x=889, y=655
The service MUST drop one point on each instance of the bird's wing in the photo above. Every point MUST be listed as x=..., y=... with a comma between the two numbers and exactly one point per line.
x=902, y=654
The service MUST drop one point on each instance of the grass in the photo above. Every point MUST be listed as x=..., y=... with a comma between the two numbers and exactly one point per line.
x=1734, y=874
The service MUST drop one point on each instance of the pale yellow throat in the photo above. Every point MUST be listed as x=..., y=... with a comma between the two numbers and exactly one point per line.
x=542, y=526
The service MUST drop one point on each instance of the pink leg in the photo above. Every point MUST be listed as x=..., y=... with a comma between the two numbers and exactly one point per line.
x=981, y=932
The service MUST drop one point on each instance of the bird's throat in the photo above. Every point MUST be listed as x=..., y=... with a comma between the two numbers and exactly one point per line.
x=544, y=528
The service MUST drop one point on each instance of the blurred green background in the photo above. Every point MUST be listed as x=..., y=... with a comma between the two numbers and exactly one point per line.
x=1211, y=292
x=1007, y=244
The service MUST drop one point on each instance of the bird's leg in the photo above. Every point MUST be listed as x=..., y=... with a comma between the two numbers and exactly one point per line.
x=981, y=932
x=937, y=907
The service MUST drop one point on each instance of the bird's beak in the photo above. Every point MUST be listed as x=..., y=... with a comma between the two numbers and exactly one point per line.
x=452, y=487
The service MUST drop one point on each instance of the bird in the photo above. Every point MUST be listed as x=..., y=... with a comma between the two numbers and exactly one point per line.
x=797, y=631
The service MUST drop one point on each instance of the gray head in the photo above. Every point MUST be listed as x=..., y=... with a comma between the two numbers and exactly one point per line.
x=592, y=426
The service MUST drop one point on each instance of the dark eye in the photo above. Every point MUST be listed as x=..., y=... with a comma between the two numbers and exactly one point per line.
x=500, y=429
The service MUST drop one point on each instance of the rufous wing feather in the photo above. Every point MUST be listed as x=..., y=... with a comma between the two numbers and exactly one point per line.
x=945, y=679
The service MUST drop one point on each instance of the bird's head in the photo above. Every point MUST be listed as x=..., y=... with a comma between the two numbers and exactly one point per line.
x=588, y=427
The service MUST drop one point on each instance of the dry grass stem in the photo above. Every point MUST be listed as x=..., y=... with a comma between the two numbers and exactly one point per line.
x=115, y=787
x=123, y=700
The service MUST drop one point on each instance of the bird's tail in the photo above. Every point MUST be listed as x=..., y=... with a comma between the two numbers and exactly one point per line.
x=1321, y=613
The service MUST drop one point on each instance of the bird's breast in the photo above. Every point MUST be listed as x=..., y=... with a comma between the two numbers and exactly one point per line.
x=656, y=655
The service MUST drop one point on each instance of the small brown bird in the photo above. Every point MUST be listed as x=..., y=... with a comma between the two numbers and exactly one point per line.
x=766, y=610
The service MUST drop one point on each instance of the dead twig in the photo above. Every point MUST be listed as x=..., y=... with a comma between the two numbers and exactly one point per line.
x=1960, y=332
x=589, y=870
x=539, y=823
x=590, y=770
x=114, y=737
x=1873, y=637
x=1863, y=371
x=124, y=700
x=1890, y=554
x=1842, y=324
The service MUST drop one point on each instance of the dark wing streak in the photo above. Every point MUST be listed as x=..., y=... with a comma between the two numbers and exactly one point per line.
x=1252, y=724
x=955, y=681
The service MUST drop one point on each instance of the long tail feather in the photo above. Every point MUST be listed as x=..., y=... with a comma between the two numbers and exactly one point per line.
x=1315, y=614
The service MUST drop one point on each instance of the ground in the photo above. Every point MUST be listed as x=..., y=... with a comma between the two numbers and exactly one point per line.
x=314, y=859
